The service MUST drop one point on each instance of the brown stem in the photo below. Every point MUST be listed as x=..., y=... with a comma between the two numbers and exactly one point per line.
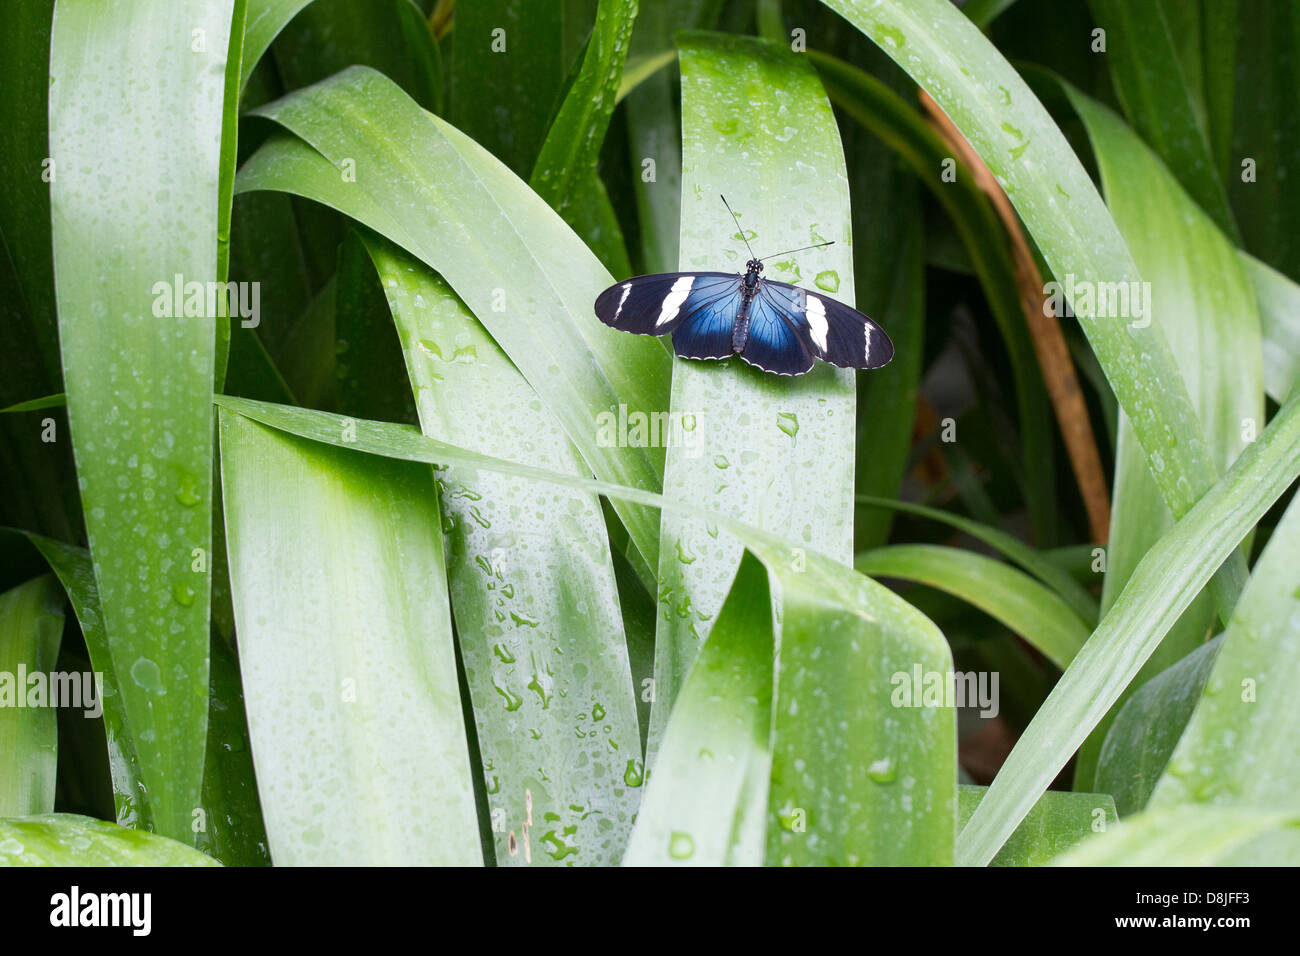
x=1045, y=330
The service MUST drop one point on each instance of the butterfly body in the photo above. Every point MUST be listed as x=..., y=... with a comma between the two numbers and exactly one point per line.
x=777, y=327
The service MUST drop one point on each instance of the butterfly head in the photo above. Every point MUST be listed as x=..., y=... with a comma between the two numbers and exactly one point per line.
x=753, y=268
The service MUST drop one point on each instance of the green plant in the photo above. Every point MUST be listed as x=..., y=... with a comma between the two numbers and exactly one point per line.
x=398, y=555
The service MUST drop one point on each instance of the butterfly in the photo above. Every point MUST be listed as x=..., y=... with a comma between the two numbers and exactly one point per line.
x=777, y=327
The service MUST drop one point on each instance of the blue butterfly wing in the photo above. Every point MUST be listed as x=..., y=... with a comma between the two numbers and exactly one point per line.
x=830, y=330
x=706, y=330
x=662, y=304
x=775, y=342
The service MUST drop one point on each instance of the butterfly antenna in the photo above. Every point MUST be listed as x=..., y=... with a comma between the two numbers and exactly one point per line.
x=738, y=225
x=817, y=245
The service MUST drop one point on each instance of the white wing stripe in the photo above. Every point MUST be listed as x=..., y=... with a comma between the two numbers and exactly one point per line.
x=673, y=300
x=627, y=288
x=815, y=312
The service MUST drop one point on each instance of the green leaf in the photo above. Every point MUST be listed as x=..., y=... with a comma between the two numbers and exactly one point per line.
x=31, y=625
x=532, y=590
x=1181, y=836
x=1162, y=100
x=139, y=385
x=1163, y=584
x=1202, y=301
x=873, y=771
x=349, y=675
x=1057, y=822
x=432, y=191
x=66, y=839
x=1239, y=748
x=753, y=444
x=1011, y=596
x=1051, y=191
x=1147, y=728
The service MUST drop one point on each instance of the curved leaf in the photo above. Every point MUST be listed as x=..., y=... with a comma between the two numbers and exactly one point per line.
x=139, y=386
x=349, y=675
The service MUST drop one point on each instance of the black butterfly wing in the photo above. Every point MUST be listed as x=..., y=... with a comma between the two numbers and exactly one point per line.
x=660, y=304
x=830, y=330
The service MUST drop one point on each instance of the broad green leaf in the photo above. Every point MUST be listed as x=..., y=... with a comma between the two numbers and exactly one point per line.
x=139, y=384
x=1181, y=836
x=1162, y=586
x=884, y=112
x=345, y=643
x=896, y=765
x=1279, y=318
x=1146, y=729
x=1240, y=747
x=752, y=444
x=31, y=625
x=66, y=839
x=1057, y=822
x=431, y=190
x=1029, y=559
x=1011, y=596
x=1202, y=301
x=868, y=772
x=532, y=590
x=1059, y=205
x=1163, y=101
